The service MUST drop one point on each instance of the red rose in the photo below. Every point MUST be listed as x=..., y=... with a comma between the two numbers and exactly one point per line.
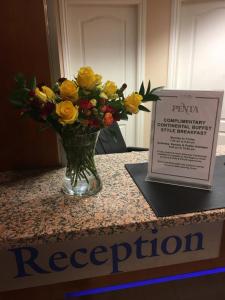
x=103, y=108
x=93, y=123
x=85, y=104
x=47, y=109
x=110, y=109
x=102, y=101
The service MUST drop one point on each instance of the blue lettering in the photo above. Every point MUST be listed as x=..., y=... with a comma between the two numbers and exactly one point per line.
x=154, y=247
x=164, y=245
x=74, y=261
x=28, y=262
x=154, y=244
x=94, y=252
x=52, y=261
x=188, y=244
x=139, y=242
x=20, y=254
x=115, y=255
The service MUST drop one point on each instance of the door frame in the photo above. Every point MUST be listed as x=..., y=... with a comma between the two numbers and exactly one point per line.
x=59, y=51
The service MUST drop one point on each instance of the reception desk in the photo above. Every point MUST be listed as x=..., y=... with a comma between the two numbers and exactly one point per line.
x=52, y=244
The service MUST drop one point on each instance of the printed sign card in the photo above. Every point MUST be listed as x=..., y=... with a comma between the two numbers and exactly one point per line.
x=184, y=135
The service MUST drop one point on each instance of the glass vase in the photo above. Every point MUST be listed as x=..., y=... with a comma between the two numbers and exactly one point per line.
x=81, y=176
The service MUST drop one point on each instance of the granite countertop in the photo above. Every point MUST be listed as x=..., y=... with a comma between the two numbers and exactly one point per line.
x=34, y=210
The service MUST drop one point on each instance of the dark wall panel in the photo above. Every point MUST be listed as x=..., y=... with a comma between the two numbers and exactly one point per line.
x=23, y=48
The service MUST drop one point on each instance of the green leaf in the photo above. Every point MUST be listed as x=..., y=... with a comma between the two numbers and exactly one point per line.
x=55, y=87
x=117, y=104
x=33, y=83
x=20, y=80
x=143, y=108
x=20, y=95
x=157, y=88
x=150, y=97
x=124, y=115
x=17, y=103
x=57, y=99
x=142, y=89
x=149, y=94
x=149, y=87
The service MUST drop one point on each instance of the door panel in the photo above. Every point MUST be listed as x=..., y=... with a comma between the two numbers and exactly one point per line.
x=105, y=38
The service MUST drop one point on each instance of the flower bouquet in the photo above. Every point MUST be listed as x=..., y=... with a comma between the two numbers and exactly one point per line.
x=77, y=109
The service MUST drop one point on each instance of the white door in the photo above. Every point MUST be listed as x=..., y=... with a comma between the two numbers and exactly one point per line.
x=200, y=59
x=105, y=38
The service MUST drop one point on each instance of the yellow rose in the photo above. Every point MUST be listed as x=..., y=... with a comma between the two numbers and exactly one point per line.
x=44, y=94
x=110, y=88
x=41, y=96
x=132, y=102
x=48, y=92
x=67, y=112
x=68, y=90
x=87, y=79
x=98, y=79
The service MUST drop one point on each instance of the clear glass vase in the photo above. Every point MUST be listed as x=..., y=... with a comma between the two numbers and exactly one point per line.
x=81, y=177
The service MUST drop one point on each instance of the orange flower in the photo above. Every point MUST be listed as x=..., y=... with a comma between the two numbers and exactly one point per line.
x=108, y=119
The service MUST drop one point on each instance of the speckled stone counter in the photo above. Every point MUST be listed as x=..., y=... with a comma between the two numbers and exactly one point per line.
x=34, y=210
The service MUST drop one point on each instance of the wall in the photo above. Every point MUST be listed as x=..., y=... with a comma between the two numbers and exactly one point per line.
x=23, y=49
x=157, y=48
